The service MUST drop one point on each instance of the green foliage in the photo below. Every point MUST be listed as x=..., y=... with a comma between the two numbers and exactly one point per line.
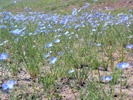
x=81, y=56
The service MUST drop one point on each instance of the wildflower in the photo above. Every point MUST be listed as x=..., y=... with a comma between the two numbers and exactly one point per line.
x=48, y=45
x=68, y=26
x=130, y=11
x=66, y=32
x=50, y=52
x=53, y=60
x=71, y=71
x=93, y=30
x=123, y=65
x=71, y=51
x=3, y=27
x=106, y=78
x=60, y=53
x=30, y=34
x=46, y=55
x=98, y=44
x=76, y=26
x=14, y=2
x=8, y=85
x=130, y=37
x=16, y=40
x=72, y=32
x=3, y=56
x=64, y=22
x=128, y=24
x=95, y=0
x=130, y=46
x=86, y=6
x=56, y=40
x=76, y=36
x=16, y=32
x=74, y=12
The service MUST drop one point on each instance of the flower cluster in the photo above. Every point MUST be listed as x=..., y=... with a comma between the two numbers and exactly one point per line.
x=8, y=85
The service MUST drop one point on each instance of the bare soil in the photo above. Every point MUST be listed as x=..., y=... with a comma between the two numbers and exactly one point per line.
x=120, y=4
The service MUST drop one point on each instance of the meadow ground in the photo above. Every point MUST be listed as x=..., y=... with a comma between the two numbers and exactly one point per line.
x=66, y=50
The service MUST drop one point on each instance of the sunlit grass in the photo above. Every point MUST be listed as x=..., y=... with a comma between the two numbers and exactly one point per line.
x=56, y=50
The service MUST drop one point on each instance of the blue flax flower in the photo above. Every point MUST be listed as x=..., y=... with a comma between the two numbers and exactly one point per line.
x=106, y=78
x=98, y=44
x=60, y=53
x=56, y=40
x=3, y=27
x=95, y=0
x=16, y=32
x=53, y=60
x=48, y=45
x=123, y=65
x=74, y=12
x=3, y=56
x=46, y=55
x=14, y=2
x=86, y=6
x=8, y=85
x=130, y=46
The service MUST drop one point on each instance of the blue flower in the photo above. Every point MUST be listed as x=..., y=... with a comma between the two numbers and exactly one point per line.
x=53, y=60
x=130, y=46
x=76, y=36
x=48, y=45
x=30, y=34
x=95, y=0
x=56, y=40
x=76, y=26
x=129, y=11
x=16, y=40
x=64, y=22
x=98, y=44
x=71, y=71
x=74, y=12
x=93, y=30
x=3, y=56
x=8, y=85
x=16, y=32
x=66, y=33
x=3, y=27
x=123, y=65
x=60, y=53
x=86, y=6
x=14, y=2
x=106, y=78
x=71, y=51
x=46, y=55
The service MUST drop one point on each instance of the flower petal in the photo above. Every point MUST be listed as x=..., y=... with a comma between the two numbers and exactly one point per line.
x=3, y=56
x=123, y=65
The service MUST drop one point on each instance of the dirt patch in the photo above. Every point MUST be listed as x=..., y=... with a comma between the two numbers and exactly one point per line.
x=70, y=7
x=120, y=4
x=69, y=94
x=117, y=5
